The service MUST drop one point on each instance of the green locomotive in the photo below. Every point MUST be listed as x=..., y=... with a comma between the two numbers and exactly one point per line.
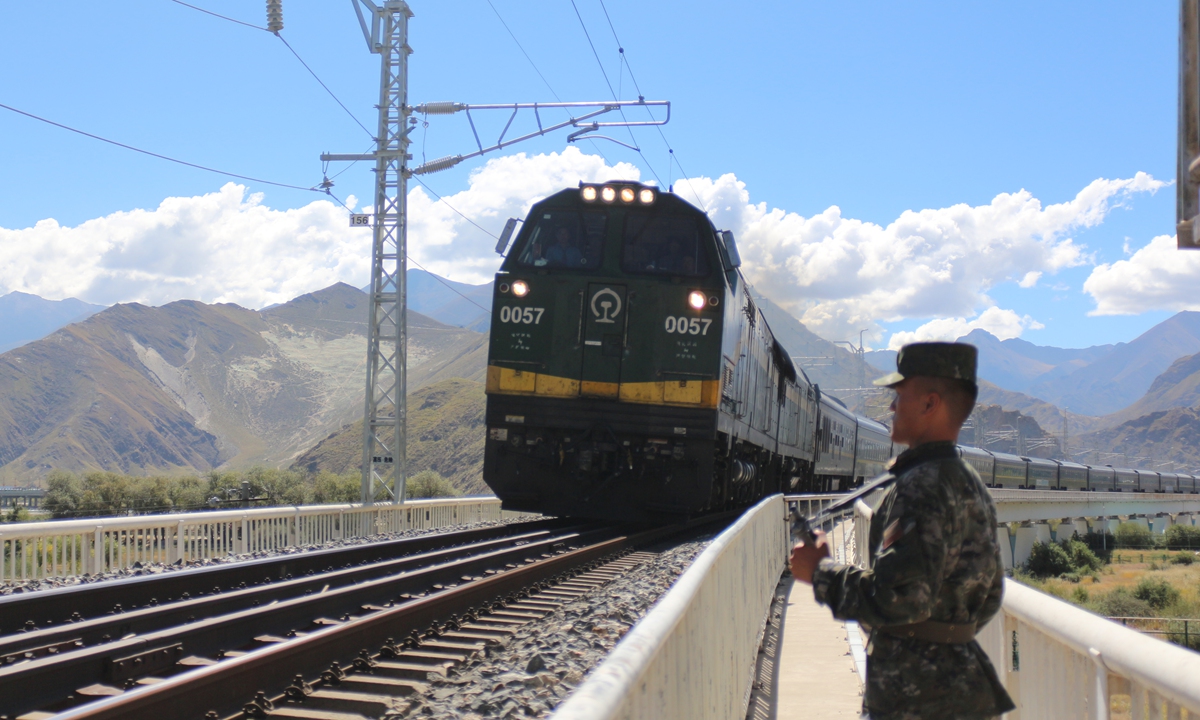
x=632, y=377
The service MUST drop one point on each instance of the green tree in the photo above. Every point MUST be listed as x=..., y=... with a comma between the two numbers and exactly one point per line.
x=1083, y=560
x=1183, y=536
x=150, y=494
x=286, y=487
x=187, y=493
x=429, y=484
x=330, y=488
x=1048, y=560
x=64, y=494
x=1133, y=535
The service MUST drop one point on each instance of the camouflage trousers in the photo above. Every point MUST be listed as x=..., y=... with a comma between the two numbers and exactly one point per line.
x=915, y=680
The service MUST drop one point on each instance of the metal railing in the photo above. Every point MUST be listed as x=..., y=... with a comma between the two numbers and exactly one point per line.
x=693, y=655
x=31, y=551
x=1181, y=631
x=1059, y=661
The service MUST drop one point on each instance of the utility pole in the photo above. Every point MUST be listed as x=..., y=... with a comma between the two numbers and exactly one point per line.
x=385, y=412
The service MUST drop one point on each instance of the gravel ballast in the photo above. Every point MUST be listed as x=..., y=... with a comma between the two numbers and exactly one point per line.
x=529, y=673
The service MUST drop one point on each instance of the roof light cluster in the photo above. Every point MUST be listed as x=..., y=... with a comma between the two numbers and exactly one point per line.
x=609, y=194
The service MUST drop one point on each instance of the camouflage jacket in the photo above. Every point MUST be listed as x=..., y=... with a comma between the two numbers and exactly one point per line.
x=934, y=556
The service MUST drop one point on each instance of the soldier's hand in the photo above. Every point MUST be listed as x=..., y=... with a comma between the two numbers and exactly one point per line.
x=805, y=557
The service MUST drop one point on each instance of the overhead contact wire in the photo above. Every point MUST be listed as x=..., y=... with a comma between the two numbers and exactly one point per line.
x=638, y=87
x=608, y=82
x=538, y=71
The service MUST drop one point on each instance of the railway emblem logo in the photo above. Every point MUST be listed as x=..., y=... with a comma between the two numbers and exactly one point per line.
x=606, y=309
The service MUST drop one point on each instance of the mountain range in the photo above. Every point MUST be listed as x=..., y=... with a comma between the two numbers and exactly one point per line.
x=1099, y=381
x=29, y=317
x=191, y=386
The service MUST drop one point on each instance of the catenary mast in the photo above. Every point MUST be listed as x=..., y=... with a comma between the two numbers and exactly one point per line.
x=385, y=409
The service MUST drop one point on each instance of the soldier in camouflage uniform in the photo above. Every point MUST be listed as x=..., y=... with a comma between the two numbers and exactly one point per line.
x=935, y=572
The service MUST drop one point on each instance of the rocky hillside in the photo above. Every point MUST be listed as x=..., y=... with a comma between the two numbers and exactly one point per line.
x=190, y=386
x=1154, y=439
x=445, y=434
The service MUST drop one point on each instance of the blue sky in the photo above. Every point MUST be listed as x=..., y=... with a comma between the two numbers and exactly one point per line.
x=874, y=108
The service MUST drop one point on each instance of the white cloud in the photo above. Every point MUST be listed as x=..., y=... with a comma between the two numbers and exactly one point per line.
x=837, y=274
x=1158, y=276
x=1004, y=324
x=1030, y=278
x=840, y=274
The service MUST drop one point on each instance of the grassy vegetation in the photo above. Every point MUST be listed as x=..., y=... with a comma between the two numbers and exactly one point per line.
x=99, y=493
x=1147, y=580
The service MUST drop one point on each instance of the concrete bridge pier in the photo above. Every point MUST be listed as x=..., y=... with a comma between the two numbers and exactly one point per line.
x=1005, y=543
x=1162, y=521
x=1027, y=535
x=1079, y=525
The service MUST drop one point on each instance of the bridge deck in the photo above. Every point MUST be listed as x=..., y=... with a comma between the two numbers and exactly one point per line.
x=817, y=678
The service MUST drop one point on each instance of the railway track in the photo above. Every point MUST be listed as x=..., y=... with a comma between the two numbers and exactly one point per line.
x=332, y=645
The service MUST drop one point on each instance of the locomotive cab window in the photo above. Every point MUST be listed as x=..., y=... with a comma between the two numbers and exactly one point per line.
x=660, y=244
x=565, y=239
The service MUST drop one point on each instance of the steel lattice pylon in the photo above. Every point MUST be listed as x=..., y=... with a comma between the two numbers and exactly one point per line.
x=385, y=411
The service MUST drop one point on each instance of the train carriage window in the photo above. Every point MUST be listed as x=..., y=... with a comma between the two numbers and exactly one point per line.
x=661, y=244
x=565, y=238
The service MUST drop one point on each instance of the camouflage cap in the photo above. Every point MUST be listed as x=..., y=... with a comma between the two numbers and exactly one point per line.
x=933, y=359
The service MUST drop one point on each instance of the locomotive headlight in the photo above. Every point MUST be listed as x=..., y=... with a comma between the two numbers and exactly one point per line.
x=588, y=194
x=627, y=195
x=697, y=300
x=520, y=288
x=646, y=196
x=608, y=194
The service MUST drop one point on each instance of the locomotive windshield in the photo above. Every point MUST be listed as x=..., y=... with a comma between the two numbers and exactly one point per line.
x=660, y=244
x=565, y=239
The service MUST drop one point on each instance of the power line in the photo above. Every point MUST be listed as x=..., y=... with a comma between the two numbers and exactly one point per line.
x=419, y=265
x=289, y=47
x=154, y=154
x=448, y=286
x=322, y=82
x=223, y=17
x=608, y=82
x=443, y=200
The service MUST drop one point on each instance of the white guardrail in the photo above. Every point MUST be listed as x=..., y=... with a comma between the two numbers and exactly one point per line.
x=693, y=655
x=60, y=548
x=1061, y=662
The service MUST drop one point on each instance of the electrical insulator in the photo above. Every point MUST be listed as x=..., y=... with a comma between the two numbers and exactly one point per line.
x=274, y=15
x=438, y=165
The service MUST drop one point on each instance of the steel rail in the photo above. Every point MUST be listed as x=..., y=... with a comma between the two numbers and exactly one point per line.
x=60, y=605
x=223, y=689
x=121, y=621
x=51, y=682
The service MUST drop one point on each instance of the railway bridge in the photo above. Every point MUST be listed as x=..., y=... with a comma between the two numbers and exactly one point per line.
x=732, y=638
